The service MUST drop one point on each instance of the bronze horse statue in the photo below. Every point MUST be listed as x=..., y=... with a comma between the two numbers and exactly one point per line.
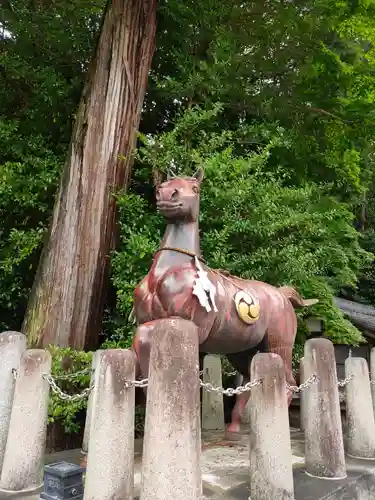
x=235, y=317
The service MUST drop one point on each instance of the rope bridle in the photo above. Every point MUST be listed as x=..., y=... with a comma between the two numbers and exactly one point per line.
x=181, y=250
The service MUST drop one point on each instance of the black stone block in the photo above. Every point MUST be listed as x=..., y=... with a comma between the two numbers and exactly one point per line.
x=63, y=481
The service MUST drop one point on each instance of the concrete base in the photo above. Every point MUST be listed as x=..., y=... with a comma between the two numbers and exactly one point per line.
x=357, y=486
x=225, y=472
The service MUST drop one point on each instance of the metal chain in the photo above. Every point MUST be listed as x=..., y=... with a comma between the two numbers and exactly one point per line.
x=345, y=382
x=230, y=392
x=228, y=374
x=341, y=396
x=66, y=376
x=137, y=383
x=313, y=379
x=75, y=375
x=144, y=383
x=62, y=395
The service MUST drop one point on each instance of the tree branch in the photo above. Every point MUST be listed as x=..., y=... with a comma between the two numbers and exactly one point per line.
x=328, y=113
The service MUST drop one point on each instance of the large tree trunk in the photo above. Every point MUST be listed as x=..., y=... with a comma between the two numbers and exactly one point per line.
x=66, y=303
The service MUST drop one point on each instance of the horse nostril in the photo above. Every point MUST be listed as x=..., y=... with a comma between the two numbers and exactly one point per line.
x=174, y=195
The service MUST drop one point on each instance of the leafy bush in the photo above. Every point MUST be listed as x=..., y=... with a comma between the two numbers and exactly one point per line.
x=28, y=179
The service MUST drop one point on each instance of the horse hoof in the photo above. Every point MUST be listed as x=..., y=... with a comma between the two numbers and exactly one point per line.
x=233, y=436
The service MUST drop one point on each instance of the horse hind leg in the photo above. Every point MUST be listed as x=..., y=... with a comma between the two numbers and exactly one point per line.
x=241, y=362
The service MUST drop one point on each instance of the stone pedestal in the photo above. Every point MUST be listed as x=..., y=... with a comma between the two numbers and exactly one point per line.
x=172, y=440
x=360, y=416
x=12, y=346
x=24, y=452
x=212, y=402
x=324, y=446
x=110, y=459
x=246, y=414
x=271, y=473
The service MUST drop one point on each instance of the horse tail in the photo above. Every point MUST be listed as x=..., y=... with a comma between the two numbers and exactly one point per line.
x=295, y=298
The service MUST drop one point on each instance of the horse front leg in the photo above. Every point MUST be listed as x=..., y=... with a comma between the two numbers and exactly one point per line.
x=234, y=428
x=241, y=362
x=142, y=348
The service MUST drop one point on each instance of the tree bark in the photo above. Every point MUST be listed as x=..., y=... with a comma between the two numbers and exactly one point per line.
x=68, y=296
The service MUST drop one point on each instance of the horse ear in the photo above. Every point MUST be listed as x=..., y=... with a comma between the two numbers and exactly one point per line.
x=157, y=176
x=199, y=174
x=170, y=174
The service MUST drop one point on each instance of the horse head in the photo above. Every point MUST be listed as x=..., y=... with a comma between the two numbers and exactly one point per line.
x=177, y=199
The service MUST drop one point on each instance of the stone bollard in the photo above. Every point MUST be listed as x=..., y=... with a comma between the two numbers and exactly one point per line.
x=373, y=378
x=246, y=415
x=324, y=445
x=24, y=452
x=271, y=472
x=172, y=440
x=212, y=402
x=302, y=409
x=360, y=416
x=12, y=346
x=92, y=400
x=246, y=412
x=110, y=459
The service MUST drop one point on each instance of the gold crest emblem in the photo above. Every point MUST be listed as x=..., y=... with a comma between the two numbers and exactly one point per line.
x=247, y=307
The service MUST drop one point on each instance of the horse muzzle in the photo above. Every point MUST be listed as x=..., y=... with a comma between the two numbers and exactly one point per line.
x=169, y=207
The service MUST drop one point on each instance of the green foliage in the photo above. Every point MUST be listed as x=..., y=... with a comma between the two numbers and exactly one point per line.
x=27, y=185
x=303, y=66
x=141, y=231
x=366, y=289
x=45, y=50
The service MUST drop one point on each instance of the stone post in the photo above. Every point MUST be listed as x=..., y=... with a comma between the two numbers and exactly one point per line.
x=12, y=346
x=110, y=459
x=92, y=400
x=302, y=409
x=324, y=446
x=373, y=378
x=24, y=452
x=172, y=440
x=271, y=473
x=246, y=412
x=359, y=410
x=212, y=402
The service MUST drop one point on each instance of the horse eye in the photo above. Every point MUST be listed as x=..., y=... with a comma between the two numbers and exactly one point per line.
x=195, y=189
